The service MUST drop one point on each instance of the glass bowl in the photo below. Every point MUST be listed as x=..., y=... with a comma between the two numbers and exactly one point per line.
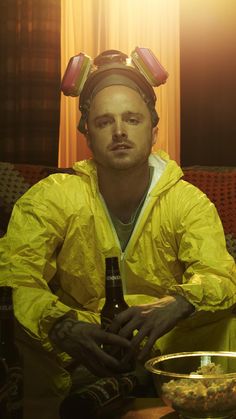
x=197, y=384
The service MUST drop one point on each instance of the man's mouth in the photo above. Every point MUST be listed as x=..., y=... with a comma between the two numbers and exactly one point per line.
x=120, y=146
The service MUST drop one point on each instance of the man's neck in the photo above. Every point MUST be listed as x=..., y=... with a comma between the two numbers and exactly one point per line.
x=123, y=190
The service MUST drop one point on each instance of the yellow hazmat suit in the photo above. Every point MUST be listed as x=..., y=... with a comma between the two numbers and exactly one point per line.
x=59, y=235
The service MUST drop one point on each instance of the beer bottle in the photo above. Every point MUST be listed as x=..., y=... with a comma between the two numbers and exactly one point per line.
x=11, y=380
x=114, y=300
x=114, y=303
x=104, y=398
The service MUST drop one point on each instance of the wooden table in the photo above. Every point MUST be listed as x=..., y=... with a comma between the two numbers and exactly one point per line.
x=137, y=408
x=148, y=408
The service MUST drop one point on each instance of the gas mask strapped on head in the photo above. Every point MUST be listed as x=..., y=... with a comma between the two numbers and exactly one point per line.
x=85, y=77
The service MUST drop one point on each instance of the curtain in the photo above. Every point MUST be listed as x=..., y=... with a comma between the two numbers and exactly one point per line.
x=92, y=26
x=30, y=81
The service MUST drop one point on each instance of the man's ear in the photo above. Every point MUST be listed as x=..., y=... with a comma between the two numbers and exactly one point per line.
x=154, y=135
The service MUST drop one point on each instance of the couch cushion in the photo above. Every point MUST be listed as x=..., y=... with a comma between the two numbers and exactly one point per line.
x=219, y=184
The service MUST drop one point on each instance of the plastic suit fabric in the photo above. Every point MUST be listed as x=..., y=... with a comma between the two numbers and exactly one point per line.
x=60, y=233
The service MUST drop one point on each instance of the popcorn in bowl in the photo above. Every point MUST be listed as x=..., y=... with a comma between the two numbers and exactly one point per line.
x=209, y=391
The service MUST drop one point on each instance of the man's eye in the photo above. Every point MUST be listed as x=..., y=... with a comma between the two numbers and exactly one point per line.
x=102, y=123
x=133, y=121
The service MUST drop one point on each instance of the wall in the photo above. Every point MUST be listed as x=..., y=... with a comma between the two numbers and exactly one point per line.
x=208, y=82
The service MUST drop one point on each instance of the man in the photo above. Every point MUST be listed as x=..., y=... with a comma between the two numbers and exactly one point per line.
x=178, y=277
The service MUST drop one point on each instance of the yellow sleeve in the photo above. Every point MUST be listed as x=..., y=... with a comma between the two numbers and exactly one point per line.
x=209, y=278
x=28, y=258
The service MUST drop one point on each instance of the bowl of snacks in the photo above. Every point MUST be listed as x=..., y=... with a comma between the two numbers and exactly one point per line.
x=197, y=384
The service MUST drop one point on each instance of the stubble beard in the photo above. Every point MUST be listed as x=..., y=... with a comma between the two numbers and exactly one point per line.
x=123, y=165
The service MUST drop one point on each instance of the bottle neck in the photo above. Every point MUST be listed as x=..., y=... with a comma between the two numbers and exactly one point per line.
x=114, y=290
x=6, y=316
x=6, y=331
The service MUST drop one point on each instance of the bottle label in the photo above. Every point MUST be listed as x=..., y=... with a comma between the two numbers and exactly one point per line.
x=104, y=391
x=5, y=311
x=6, y=307
x=113, y=278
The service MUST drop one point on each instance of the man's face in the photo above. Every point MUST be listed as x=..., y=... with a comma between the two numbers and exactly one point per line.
x=120, y=132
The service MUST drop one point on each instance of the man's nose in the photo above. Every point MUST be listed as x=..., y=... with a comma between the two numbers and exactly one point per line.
x=119, y=131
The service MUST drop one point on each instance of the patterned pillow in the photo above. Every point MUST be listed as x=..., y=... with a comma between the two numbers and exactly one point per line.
x=219, y=184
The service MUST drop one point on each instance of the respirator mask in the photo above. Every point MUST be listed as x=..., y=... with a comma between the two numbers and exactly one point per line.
x=85, y=77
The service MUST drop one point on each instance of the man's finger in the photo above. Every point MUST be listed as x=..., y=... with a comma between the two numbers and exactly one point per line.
x=121, y=319
x=113, y=339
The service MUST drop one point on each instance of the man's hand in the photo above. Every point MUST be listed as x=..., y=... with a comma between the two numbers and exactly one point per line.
x=152, y=321
x=82, y=341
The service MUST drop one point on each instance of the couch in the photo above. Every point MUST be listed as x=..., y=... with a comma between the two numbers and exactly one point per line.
x=219, y=183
